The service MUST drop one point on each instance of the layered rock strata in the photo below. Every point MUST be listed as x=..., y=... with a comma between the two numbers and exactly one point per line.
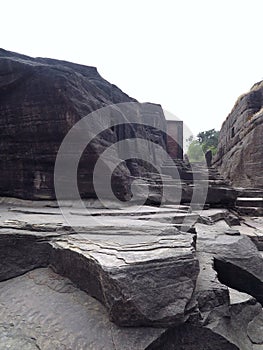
x=40, y=101
x=240, y=147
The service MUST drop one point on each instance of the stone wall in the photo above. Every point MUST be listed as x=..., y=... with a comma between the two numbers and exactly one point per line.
x=240, y=149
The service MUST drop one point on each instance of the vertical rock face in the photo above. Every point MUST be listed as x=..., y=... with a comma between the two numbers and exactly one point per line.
x=240, y=148
x=40, y=100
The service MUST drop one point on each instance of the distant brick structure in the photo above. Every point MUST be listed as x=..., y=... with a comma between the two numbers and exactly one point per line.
x=175, y=142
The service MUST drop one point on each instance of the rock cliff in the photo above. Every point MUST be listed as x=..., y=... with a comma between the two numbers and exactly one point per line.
x=240, y=148
x=40, y=100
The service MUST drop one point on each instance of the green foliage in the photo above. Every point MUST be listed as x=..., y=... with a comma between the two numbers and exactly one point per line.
x=205, y=140
x=209, y=140
x=195, y=152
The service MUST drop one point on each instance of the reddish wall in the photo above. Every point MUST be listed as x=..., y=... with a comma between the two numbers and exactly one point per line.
x=175, y=142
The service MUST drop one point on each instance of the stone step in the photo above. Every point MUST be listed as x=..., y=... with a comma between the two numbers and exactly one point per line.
x=250, y=211
x=179, y=192
x=249, y=192
x=159, y=178
x=190, y=175
x=178, y=182
x=249, y=202
x=160, y=182
x=217, y=182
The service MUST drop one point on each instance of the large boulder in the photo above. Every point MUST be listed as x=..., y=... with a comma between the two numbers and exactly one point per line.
x=240, y=147
x=40, y=100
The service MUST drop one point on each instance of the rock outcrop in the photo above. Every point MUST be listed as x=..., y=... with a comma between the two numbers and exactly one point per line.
x=40, y=100
x=240, y=148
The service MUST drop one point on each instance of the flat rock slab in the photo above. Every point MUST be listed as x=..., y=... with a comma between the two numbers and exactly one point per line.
x=210, y=216
x=144, y=271
x=141, y=280
x=28, y=216
x=42, y=310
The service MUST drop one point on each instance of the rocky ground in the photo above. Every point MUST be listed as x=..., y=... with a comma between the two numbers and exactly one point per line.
x=130, y=278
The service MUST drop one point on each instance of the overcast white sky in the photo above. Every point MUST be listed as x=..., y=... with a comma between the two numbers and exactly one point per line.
x=195, y=57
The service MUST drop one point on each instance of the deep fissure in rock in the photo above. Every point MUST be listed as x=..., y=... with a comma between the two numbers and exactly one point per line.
x=239, y=279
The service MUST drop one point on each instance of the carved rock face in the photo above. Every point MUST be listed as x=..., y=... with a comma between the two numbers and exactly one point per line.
x=240, y=148
x=40, y=100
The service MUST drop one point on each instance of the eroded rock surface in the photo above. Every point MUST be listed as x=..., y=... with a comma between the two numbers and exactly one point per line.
x=40, y=101
x=240, y=147
x=42, y=310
